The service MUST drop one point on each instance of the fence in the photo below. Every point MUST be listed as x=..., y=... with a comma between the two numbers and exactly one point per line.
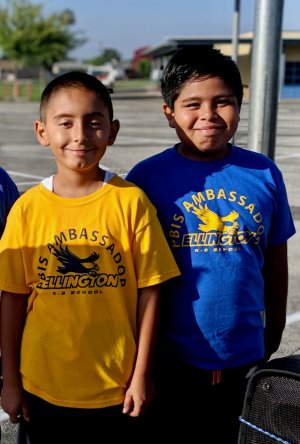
x=16, y=90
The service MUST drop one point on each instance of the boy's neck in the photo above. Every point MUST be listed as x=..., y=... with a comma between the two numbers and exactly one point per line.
x=74, y=184
x=204, y=156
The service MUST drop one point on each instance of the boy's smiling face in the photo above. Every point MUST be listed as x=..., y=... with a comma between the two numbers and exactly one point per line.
x=205, y=116
x=77, y=128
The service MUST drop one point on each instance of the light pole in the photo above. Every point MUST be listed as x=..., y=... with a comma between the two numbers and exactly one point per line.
x=236, y=31
x=235, y=36
x=264, y=84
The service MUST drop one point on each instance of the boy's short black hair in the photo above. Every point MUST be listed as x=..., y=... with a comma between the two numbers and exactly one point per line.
x=192, y=62
x=75, y=79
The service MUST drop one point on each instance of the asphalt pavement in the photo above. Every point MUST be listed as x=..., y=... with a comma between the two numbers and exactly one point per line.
x=144, y=131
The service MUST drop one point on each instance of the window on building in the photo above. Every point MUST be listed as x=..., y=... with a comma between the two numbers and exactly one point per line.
x=292, y=73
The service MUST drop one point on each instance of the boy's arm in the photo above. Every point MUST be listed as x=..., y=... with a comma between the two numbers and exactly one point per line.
x=140, y=392
x=276, y=292
x=13, y=313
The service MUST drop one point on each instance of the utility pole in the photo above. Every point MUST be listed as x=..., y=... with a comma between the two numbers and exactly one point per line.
x=236, y=31
x=264, y=83
x=235, y=38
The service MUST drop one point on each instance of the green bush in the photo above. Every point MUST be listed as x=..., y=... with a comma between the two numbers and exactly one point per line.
x=143, y=68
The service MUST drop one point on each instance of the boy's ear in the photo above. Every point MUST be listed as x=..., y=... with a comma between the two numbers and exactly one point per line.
x=41, y=133
x=114, y=129
x=169, y=115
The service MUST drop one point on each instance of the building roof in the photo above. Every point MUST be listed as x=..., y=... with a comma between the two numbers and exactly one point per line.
x=172, y=43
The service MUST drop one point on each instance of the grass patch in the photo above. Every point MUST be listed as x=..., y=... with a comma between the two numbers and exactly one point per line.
x=135, y=84
x=29, y=90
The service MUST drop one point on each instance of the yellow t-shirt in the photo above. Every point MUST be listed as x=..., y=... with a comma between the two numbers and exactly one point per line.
x=82, y=260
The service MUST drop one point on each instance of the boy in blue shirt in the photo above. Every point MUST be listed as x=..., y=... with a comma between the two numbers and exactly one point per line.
x=225, y=213
x=8, y=194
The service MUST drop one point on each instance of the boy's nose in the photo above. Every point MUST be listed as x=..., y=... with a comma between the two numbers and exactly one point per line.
x=207, y=112
x=81, y=139
x=80, y=134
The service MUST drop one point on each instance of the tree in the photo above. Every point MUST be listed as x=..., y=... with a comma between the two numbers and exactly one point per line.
x=31, y=39
x=108, y=55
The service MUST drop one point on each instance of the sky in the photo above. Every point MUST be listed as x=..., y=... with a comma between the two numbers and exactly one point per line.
x=126, y=25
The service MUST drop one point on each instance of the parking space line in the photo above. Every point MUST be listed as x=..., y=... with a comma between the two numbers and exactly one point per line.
x=292, y=318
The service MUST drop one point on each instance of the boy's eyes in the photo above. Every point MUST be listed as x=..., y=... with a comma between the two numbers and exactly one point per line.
x=225, y=101
x=218, y=102
x=95, y=124
x=69, y=124
x=64, y=124
x=222, y=101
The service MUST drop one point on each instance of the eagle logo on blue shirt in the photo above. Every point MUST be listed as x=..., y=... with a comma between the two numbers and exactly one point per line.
x=211, y=221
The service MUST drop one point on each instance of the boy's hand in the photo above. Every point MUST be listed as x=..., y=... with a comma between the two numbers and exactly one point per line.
x=138, y=397
x=13, y=403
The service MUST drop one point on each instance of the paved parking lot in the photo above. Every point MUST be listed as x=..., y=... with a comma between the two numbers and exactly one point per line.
x=144, y=131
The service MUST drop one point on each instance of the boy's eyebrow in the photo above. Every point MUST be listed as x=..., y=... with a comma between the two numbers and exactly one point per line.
x=219, y=96
x=93, y=114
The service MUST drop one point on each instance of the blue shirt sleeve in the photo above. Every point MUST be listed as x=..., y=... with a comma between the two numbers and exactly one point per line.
x=8, y=195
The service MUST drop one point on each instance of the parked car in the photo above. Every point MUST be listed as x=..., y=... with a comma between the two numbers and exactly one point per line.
x=105, y=73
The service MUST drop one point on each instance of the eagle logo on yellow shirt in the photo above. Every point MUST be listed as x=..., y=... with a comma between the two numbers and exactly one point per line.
x=74, y=264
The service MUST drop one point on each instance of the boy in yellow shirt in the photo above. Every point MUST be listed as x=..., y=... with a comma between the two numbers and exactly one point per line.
x=81, y=259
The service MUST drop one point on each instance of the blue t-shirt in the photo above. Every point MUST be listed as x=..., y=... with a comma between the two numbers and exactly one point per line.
x=219, y=217
x=8, y=194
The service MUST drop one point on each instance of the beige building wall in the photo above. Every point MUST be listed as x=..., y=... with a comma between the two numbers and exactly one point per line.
x=244, y=62
x=291, y=53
